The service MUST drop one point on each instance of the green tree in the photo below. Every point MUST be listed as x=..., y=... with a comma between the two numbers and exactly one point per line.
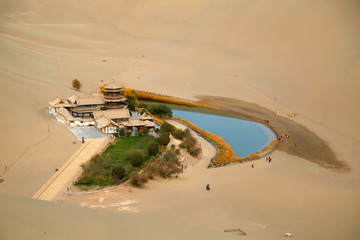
x=153, y=149
x=131, y=106
x=76, y=84
x=164, y=138
x=128, y=133
x=122, y=132
x=118, y=172
x=160, y=109
x=135, y=158
x=145, y=130
x=167, y=127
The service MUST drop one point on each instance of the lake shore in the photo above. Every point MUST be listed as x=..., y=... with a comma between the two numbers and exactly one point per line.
x=237, y=192
x=301, y=142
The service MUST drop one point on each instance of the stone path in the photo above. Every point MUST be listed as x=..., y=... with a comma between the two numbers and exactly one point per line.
x=53, y=189
x=87, y=132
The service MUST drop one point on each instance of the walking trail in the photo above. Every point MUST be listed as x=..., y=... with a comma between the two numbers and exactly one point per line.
x=53, y=189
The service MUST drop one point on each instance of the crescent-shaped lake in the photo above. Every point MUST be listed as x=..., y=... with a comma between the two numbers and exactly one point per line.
x=244, y=137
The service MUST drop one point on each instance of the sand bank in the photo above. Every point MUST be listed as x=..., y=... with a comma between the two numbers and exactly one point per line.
x=46, y=220
x=292, y=57
x=257, y=200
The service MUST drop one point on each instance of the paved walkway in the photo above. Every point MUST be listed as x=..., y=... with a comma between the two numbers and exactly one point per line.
x=87, y=132
x=53, y=189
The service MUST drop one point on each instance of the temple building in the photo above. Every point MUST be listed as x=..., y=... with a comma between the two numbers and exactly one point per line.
x=113, y=96
x=106, y=110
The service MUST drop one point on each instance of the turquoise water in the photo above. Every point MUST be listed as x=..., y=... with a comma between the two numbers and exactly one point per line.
x=243, y=136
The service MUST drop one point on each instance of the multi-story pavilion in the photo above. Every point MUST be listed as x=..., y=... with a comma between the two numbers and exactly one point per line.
x=113, y=95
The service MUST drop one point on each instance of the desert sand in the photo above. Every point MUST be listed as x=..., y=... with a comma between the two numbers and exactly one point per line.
x=286, y=56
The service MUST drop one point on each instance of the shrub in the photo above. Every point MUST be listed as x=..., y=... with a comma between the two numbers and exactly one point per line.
x=145, y=130
x=166, y=168
x=118, y=172
x=164, y=138
x=178, y=134
x=157, y=130
x=173, y=147
x=85, y=178
x=166, y=127
x=177, y=151
x=122, y=132
x=170, y=156
x=116, y=134
x=194, y=151
x=100, y=180
x=76, y=84
x=153, y=149
x=140, y=133
x=190, y=143
x=128, y=133
x=138, y=180
x=135, y=158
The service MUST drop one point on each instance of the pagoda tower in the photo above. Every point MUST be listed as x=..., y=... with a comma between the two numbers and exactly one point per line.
x=113, y=95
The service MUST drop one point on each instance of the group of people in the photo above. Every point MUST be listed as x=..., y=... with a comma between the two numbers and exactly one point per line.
x=268, y=159
x=283, y=137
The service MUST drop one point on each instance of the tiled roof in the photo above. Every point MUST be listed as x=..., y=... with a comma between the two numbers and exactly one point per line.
x=112, y=113
x=89, y=101
x=57, y=102
x=104, y=121
x=112, y=85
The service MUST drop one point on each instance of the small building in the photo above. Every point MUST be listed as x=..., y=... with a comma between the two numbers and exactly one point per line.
x=106, y=125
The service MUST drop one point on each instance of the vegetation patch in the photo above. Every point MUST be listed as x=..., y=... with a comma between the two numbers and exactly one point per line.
x=119, y=160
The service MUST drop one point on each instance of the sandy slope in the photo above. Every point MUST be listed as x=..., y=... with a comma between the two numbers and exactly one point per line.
x=289, y=56
x=35, y=219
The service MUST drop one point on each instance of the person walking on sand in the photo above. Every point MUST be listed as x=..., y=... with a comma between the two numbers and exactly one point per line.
x=208, y=187
x=252, y=165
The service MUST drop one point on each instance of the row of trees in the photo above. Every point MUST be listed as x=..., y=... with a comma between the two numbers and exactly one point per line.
x=123, y=132
x=160, y=110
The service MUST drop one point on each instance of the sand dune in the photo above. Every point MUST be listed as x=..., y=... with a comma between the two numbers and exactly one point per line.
x=288, y=56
